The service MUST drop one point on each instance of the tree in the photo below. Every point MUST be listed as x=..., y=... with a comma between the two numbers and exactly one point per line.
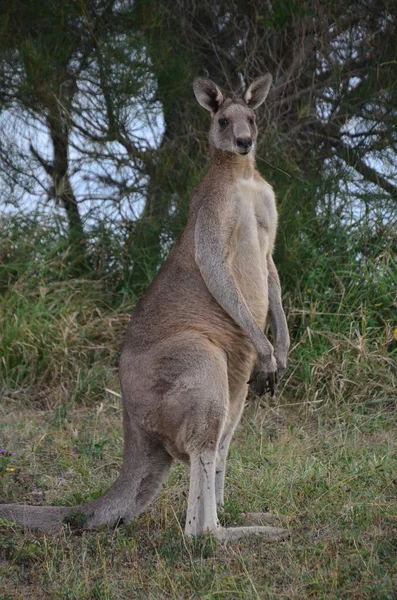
x=79, y=77
x=100, y=79
x=329, y=117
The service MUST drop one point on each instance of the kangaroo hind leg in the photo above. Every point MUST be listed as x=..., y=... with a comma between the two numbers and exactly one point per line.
x=208, y=453
x=235, y=411
x=201, y=516
x=152, y=480
x=195, y=414
x=145, y=468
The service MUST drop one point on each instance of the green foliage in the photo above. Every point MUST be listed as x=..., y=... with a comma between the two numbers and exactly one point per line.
x=75, y=519
x=4, y=463
x=230, y=513
x=52, y=332
x=89, y=447
x=340, y=296
x=53, y=327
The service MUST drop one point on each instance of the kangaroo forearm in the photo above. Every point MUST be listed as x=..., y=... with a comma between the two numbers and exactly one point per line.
x=220, y=282
x=278, y=322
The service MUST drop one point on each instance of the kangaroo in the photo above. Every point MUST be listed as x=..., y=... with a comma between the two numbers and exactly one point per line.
x=196, y=337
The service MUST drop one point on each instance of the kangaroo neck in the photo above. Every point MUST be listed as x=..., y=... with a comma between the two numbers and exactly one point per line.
x=226, y=168
x=234, y=164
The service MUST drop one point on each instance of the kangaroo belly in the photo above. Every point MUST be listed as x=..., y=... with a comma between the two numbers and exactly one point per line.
x=250, y=272
x=249, y=248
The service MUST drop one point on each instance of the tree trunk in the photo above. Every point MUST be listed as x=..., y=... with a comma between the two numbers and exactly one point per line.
x=181, y=157
x=62, y=188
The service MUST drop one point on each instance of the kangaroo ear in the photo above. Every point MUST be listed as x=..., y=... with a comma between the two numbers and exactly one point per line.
x=207, y=94
x=257, y=91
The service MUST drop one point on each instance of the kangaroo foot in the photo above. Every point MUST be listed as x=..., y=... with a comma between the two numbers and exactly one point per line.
x=231, y=534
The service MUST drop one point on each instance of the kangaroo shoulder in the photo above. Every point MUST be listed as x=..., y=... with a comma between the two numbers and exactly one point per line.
x=266, y=188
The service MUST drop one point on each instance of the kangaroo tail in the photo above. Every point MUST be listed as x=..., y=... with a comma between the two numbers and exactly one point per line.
x=45, y=518
x=140, y=478
x=115, y=505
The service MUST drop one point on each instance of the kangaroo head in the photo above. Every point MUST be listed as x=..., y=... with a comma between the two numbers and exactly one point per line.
x=233, y=127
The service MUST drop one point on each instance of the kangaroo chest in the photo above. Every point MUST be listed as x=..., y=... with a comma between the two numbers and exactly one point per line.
x=256, y=222
x=252, y=240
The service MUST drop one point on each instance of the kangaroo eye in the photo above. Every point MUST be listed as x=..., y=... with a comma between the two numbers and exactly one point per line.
x=223, y=123
x=251, y=120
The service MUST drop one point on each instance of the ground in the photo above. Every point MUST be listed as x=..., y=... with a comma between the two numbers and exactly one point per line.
x=331, y=472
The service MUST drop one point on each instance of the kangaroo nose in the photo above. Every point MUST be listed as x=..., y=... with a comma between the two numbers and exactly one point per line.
x=244, y=143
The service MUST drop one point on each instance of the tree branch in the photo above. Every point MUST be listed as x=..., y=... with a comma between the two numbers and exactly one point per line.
x=352, y=158
x=47, y=165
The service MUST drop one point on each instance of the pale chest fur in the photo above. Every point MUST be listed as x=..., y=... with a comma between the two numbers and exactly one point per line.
x=252, y=240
